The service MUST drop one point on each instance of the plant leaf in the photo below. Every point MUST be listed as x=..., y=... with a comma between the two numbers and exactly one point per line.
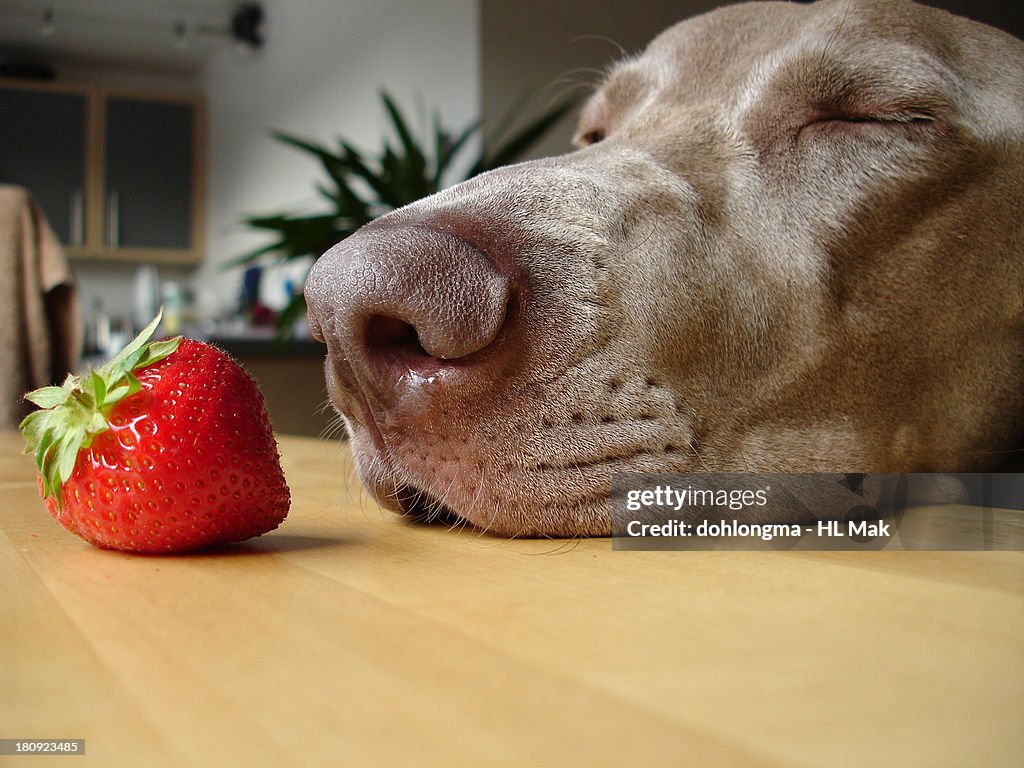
x=133, y=351
x=99, y=388
x=354, y=160
x=158, y=350
x=413, y=163
x=332, y=163
x=66, y=453
x=47, y=397
x=446, y=148
x=32, y=428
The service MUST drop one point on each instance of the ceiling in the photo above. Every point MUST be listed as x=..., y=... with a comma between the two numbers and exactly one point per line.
x=139, y=33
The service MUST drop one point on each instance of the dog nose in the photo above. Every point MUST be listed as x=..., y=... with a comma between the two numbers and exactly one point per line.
x=402, y=308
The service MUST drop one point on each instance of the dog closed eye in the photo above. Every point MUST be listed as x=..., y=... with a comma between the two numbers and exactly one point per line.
x=833, y=122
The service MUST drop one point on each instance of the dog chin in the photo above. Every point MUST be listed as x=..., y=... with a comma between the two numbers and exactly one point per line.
x=510, y=504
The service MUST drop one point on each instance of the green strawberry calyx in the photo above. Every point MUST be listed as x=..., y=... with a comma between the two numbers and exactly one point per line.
x=71, y=415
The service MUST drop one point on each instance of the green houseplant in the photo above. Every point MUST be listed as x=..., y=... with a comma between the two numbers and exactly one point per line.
x=359, y=188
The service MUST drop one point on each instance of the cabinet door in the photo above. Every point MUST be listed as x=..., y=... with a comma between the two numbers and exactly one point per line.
x=149, y=173
x=43, y=148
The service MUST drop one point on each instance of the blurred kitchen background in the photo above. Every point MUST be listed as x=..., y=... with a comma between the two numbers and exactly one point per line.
x=143, y=128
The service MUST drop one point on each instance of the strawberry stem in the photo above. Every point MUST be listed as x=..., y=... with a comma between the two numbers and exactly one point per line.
x=71, y=415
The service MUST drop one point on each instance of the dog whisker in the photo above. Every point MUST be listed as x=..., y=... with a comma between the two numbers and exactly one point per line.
x=571, y=76
x=480, y=484
x=620, y=52
x=564, y=545
x=692, y=445
x=568, y=87
x=645, y=240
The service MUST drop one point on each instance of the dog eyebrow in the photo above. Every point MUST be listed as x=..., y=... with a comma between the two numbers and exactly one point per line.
x=919, y=84
x=626, y=85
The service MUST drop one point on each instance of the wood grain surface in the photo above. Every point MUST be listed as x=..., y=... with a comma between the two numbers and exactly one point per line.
x=348, y=637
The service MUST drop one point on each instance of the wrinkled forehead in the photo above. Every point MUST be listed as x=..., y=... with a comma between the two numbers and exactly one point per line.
x=734, y=50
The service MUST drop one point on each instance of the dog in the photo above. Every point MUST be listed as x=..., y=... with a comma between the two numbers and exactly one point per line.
x=791, y=240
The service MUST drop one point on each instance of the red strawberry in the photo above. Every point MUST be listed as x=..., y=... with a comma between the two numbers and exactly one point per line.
x=166, y=448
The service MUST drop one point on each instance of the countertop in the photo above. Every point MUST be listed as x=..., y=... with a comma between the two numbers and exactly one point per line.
x=348, y=637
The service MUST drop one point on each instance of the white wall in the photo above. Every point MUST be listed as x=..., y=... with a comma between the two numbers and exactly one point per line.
x=319, y=76
x=538, y=52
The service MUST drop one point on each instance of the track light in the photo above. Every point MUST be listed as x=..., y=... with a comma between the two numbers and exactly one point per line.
x=245, y=26
x=49, y=23
x=181, y=40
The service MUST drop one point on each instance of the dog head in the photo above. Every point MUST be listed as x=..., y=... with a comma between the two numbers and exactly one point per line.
x=791, y=241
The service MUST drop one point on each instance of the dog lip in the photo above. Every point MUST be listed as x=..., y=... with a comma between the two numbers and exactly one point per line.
x=362, y=404
x=407, y=499
x=409, y=378
x=350, y=399
x=419, y=506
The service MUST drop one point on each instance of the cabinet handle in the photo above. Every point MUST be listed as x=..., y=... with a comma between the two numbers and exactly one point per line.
x=77, y=234
x=113, y=219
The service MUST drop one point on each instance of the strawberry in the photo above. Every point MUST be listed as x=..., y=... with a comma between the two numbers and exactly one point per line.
x=166, y=448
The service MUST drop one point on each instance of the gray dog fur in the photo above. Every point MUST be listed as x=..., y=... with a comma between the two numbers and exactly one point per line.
x=792, y=240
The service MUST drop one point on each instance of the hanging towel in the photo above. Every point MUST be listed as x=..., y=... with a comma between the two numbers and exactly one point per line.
x=40, y=323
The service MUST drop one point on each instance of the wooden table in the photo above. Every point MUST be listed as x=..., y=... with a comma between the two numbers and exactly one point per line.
x=348, y=637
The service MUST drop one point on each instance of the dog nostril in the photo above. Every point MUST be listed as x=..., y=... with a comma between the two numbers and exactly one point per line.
x=391, y=335
x=410, y=314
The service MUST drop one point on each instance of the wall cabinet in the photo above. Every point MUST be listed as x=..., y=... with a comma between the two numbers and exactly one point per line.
x=119, y=174
x=43, y=141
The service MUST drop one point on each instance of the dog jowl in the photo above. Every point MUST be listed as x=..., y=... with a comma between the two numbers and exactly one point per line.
x=791, y=240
